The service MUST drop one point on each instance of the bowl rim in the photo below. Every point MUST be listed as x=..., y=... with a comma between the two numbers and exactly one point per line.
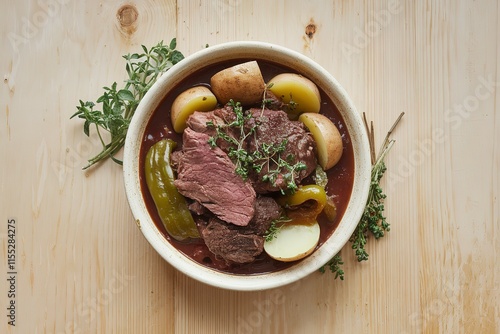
x=356, y=129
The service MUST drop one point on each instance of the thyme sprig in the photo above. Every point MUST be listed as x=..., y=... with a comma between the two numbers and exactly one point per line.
x=237, y=152
x=266, y=154
x=372, y=222
x=118, y=105
x=335, y=267
x=275, y=227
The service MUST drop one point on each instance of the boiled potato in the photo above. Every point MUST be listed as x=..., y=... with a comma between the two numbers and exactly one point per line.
x=293, y=242
x=327, y=138
x=198, y=98
x=242, y=83
x=299, y=93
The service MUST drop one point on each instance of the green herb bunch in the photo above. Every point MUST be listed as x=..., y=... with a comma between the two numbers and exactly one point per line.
x=372, y=222
x=118, y=105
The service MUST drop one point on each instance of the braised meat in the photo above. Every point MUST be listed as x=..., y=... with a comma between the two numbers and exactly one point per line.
x=231, y=218
x=266, y=210
x=229, y=244
x=240, y=244
x=270, y=127
x=206, y=174
x=274, y=127
x=206, y=122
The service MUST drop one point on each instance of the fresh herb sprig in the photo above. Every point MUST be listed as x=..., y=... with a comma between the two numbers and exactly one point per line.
x=372, y=222
x=275, y=227
x=118, y=105
x=266, y=155
x=288, y=165
x=237, y=151
x=335, y=267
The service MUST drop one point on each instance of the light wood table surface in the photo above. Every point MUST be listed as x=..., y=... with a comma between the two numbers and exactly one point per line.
x=82, y=265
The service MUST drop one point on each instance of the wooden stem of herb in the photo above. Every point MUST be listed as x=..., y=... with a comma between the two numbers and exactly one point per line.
x=371, y=138
x=118, y=106
x=389, y=133
x=372, y=221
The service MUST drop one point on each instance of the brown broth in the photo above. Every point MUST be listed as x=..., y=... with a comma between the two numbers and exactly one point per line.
x=340, y=177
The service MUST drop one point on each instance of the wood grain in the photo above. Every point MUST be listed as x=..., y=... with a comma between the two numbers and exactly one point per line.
x=84, y=267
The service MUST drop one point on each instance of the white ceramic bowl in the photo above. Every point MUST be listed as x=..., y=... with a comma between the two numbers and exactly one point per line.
x=311, y=70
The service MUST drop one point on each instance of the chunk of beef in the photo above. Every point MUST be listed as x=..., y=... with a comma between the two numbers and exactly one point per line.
x=266, y=210
x=272, y=101
x=207, y=175
x=175, y=157
x=239, y=244
x=197, y=208
x=229, y=243
x=273, y=127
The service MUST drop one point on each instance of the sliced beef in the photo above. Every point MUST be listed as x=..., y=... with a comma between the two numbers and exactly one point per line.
x=273, y=126
x=198, y=122
x=206, y=175
x=207, y=122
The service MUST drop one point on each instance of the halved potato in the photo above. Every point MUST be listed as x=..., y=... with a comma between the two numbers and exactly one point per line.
x=198, y=98
x=293, y=242
x=327, y=138
x=299, y=93
x=242, y=83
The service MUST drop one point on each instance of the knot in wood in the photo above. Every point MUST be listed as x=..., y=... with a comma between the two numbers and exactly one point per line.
x=310, y=30
x=127, y=15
